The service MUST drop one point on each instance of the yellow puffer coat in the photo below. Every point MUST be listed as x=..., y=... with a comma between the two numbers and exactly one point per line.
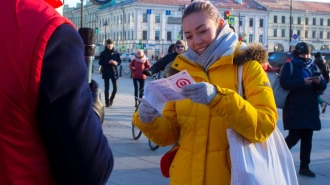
x=203, y=157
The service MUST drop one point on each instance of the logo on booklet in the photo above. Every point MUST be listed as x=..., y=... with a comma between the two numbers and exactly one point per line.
x=182, y=82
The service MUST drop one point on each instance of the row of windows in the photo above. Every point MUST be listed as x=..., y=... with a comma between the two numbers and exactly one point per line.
x=321, y=34
x=306, y=20
x=129, y=35
x=118, y=20
x=251, y=38
x=118, y=36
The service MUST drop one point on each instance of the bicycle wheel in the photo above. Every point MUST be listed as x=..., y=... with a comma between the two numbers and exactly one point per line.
x=136, y=132
x=153, y=146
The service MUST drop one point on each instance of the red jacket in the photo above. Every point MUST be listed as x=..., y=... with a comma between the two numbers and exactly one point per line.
x=140, y=65
x=23, y=159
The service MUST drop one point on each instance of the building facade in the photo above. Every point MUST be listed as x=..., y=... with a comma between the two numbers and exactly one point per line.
x=310, y=22
x=153, y=25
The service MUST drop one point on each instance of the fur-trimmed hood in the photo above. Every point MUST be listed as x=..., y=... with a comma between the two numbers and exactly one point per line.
x=252, y=51
x=246, y=52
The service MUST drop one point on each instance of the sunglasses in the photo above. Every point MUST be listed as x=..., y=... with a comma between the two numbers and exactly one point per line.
x=179, y=47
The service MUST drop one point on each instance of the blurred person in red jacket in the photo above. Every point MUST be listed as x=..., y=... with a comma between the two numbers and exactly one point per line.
x=137, y=66
x=268, y=68
x=49, y=132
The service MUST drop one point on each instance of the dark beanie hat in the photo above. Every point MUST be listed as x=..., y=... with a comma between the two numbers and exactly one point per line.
x=180, y=42
x=302, y=48
x=109, y=41
x=317, y=55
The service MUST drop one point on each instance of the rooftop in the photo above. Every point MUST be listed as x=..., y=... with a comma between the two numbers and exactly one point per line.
x=296, y=5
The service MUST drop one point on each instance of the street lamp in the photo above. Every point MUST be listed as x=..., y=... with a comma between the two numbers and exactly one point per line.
x=82, y=13
x=105, y=24
x=163, y=47
x=290, y=32
x=182, y=8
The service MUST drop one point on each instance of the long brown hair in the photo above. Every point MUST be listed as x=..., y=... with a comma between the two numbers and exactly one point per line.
x=202, y=6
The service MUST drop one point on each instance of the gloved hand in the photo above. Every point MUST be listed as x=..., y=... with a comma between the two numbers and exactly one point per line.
x=147, y=72
x=202, y=92
x=98, y=106
x=147, y=114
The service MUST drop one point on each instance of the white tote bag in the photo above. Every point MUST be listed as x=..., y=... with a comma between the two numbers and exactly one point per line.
x=269, y=162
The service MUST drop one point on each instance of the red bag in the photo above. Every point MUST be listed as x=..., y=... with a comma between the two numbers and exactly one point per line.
x=166, y=161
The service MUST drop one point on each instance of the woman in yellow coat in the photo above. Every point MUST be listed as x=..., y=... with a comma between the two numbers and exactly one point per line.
x=199, y=122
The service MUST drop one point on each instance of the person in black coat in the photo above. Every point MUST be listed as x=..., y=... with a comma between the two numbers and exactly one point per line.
x=109, y=60
x=301, y=110
x=179, y=47
x=323, y=66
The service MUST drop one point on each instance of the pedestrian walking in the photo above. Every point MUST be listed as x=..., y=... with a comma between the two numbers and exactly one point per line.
x=198, y=123
x=49, y=132
x=109, y=60
x=301, y=111
x=137, y=65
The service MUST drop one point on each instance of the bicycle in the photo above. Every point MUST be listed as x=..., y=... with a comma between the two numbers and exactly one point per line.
x=136, y=133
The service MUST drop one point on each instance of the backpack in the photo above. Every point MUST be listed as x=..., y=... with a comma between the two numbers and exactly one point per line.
x=324, y=68
x=326, y=73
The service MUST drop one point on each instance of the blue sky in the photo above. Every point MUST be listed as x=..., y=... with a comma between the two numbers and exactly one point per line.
x=73, y=3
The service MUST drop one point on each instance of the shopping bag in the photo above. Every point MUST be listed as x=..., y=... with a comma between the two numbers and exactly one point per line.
x=269, y=162
x=280, y=94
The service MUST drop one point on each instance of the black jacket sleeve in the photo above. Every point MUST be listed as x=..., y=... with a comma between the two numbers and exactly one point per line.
x=160, y=65
x=78, y=151
x=118, y=59
x=103, y=59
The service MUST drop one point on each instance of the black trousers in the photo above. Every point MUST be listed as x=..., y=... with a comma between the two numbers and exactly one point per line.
x=138, y=87
x=306, y=136
x=107, y=88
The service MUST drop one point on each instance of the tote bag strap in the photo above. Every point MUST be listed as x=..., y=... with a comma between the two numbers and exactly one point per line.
x=239, y=78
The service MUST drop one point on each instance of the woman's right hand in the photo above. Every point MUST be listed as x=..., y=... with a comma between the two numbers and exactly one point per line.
x=133, y=68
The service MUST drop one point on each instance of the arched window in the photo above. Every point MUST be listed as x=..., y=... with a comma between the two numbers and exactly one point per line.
x=325, y=47
x=278, y=48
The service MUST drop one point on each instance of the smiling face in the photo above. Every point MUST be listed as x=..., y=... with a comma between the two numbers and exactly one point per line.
x=179, y=48
x=200, y=30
